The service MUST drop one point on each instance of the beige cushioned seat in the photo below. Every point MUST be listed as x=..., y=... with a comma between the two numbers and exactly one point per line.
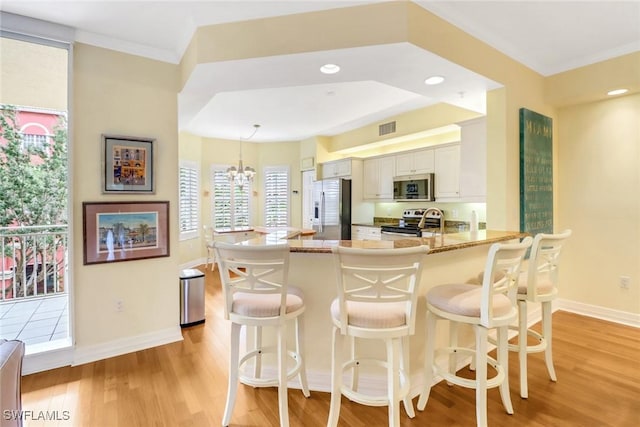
x=465, y=300
x=372, y=314
x=255, y=305
x=544, y=286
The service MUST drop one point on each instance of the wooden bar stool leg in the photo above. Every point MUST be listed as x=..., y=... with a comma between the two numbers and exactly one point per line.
x=503, y=361
x=257, y=344
x=355, y=371
x=302, y=375
x=393, y=381
x=234, y=358
x=282, y=376
x=546, y=333
x=522, y=347
x=404, y=367
x=336, y=377
x=428, y=360
x=453, y=342
x=481, y=375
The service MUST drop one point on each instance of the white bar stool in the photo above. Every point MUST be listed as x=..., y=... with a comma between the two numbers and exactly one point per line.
x=491, y=306
x=256, y=292
x=539, y=284
x=377, y=292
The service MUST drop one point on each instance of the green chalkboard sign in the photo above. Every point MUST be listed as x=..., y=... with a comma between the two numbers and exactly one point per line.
x=536, y=173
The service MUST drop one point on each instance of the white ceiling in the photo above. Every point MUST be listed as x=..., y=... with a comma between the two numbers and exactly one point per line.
x=291, y=100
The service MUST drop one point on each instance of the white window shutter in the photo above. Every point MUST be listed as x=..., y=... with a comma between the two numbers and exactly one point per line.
x=229, y=208
x=189, y=201
x=276, y=196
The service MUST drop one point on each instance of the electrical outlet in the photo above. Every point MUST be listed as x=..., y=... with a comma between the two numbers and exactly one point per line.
x=624, y=282
x=119, y=305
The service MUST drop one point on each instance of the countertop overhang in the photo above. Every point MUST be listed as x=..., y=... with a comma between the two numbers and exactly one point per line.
x=442, y=243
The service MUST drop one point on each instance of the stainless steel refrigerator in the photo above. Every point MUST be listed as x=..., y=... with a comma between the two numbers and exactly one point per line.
x=332, y=209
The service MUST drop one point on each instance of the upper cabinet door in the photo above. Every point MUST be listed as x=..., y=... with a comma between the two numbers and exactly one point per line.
x=415, y=162
x=473, y=160
x=447, y=172
x=339, y=168
x=378, y=178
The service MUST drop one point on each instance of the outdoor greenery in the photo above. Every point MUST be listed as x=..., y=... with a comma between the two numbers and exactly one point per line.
x=33, y=180
x=33, y=192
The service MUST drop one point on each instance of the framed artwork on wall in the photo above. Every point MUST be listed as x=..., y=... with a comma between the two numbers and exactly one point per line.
x=127, y=164
x=118, y=231
x=536, y=172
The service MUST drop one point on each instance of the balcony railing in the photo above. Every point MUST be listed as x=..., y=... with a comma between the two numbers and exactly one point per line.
x=33, y=261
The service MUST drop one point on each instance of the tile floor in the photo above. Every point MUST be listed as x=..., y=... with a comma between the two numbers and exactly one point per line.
x=35, y=321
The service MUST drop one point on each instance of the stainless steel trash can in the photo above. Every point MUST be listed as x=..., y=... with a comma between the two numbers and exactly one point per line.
x=191, y=297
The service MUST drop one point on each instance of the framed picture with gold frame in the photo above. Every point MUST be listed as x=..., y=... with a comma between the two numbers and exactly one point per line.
x=127, y=164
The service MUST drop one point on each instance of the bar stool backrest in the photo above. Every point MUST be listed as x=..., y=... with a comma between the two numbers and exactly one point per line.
x=544, y=263
x=253, y=269
x=380, y=276
x=501, y=277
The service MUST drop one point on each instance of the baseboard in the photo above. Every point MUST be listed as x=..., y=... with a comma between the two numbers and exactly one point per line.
x=194, y=263
x=126, y=345
x=603, y=313
x=40, y=360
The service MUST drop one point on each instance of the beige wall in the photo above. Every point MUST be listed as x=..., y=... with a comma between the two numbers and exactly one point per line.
x=23, y=83
x=599, y=199
x=116, y=93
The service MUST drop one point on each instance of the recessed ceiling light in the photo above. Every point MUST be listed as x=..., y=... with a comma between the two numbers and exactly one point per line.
x=434, y=80
x=330, y=68
x=617, y=92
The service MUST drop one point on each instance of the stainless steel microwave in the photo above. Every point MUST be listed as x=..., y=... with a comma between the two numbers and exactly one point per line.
x=413, y=188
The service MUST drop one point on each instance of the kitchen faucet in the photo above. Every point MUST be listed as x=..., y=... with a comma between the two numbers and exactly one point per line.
x=424, y=217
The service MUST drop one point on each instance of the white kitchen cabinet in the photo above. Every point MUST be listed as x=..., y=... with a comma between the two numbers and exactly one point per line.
x=336, y=169
x=447, y=172
x=378, y=175
x=473, y=160
x=363, y=232
x=415, y=162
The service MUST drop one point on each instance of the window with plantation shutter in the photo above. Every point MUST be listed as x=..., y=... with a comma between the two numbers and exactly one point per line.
x=276, y=196
x=189, y=200
x=230, y=202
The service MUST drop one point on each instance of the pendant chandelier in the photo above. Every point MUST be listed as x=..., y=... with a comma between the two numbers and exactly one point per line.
x=242, y=174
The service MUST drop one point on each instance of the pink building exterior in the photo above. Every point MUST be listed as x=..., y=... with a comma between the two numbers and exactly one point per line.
x=37, y=127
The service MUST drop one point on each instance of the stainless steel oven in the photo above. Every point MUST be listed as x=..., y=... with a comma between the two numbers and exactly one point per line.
x=409, y=225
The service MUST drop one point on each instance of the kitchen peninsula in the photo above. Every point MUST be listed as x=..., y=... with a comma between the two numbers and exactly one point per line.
x=455, y=257
x=239, y=234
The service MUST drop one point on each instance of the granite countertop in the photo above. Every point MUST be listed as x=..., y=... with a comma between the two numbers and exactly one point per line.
x=276, y=232
x=443, y=243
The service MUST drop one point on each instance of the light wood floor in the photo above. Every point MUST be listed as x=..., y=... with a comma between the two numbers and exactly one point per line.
x=184, y=384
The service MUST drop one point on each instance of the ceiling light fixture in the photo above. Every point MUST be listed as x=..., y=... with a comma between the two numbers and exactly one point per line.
x=434, y=80
x=242, y=174
x=330, y=68
x=617, y=92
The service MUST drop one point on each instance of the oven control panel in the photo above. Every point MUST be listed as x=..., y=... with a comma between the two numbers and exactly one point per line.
x=417, y=213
